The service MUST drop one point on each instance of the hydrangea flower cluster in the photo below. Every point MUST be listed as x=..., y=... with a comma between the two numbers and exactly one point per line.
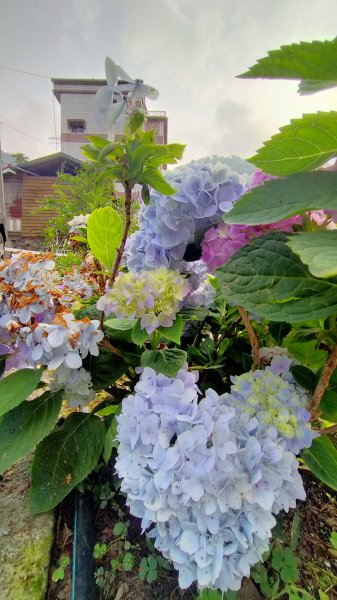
x=66, y=341
x=153, y=296
x=222, y=241
x=205, y=190
x=77, y=224
x=207, y=475
x=273, y=397
x=201, y=292
x=37, y=327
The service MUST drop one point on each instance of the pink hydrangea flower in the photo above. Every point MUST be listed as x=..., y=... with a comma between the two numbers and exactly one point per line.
x=222, y=241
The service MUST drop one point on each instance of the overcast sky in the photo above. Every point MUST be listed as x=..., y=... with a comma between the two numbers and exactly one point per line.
x=190, y=50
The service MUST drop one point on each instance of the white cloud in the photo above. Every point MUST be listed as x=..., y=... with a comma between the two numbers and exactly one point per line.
x=190, y=50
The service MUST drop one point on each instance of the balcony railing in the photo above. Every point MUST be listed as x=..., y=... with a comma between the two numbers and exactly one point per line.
x=156, y=113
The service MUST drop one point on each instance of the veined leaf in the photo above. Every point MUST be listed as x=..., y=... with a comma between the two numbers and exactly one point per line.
x=268, y=279
x=307, y=353
x=105, y=368
x=321, y=459
x=328, y=406
x=308, y=87
x=176, y=150
x=318, y=250
x=26, y=425
x=174, y=332
x=110, y=441
x=136, y=120
x=168, y=362
x=104, y=232
x=64, y=458
x=155, y=179
x=15, y=388
x=98, y=141
x=304, y=377
x=139, y=335
x=305, y=144
x=120, y=324
x=283, y=198
x=315, y=60
x=90, y=151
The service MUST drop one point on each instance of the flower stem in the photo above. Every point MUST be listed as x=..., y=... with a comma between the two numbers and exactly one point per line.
x=120, y=251
x=254, y=342
x=328, y=430
x=323, y=382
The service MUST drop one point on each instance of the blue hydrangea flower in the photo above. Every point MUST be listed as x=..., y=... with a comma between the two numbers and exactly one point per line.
x=205, y=190
x=274, y=398
x=205, y=475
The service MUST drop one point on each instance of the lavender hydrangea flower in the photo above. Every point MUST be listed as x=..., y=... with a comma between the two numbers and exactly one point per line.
x=37, y=328
x=153, y=296
x=207, y=476
x=274, y=398
x=205, y=189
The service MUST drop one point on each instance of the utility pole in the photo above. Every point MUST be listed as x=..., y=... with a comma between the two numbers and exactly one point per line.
x=3, y=213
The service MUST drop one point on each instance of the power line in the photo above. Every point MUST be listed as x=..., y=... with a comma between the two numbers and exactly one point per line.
x=24, y=133
x=56, y=144
x=25, y=72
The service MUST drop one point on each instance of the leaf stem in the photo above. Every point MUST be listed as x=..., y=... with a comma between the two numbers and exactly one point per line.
x=120, y=251
x=109, y=346
x=328, y=430
x=323, y=382
x=254, y=342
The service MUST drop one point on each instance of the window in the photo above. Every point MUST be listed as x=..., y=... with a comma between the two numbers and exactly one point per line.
x=76, y=125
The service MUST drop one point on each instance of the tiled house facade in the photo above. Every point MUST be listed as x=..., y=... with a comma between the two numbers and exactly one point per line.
x=77, y=100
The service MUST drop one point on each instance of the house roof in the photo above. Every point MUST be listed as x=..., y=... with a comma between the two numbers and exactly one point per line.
x=6, y=159
x=64, y=86
x=78, y=80
x=47, y=165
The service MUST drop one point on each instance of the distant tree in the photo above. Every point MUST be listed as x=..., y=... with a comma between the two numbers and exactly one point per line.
x=19, y=157
x=74, y=195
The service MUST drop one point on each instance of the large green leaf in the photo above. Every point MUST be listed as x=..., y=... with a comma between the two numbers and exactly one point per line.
x=110, y=441
x=139, y=335
x=98, y=141
x=318, y=250
x=15, y=388
x=109, y=150
x=155, y=179
x=321, y=459
x=304, y=377
x=311, y=86
x=328, y=406
x=307, y=352
x=104, y=232
x=26, y=425
x=168, y=362
x=136, y=120
x=105, y=368
x=283, y=198
x=120, y=324
x=315, y=60
x=64, y=458
x=174, y=332
x=268, y=279
x=305, y=144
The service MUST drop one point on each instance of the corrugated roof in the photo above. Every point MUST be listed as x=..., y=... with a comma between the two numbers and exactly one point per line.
x=50, y=164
